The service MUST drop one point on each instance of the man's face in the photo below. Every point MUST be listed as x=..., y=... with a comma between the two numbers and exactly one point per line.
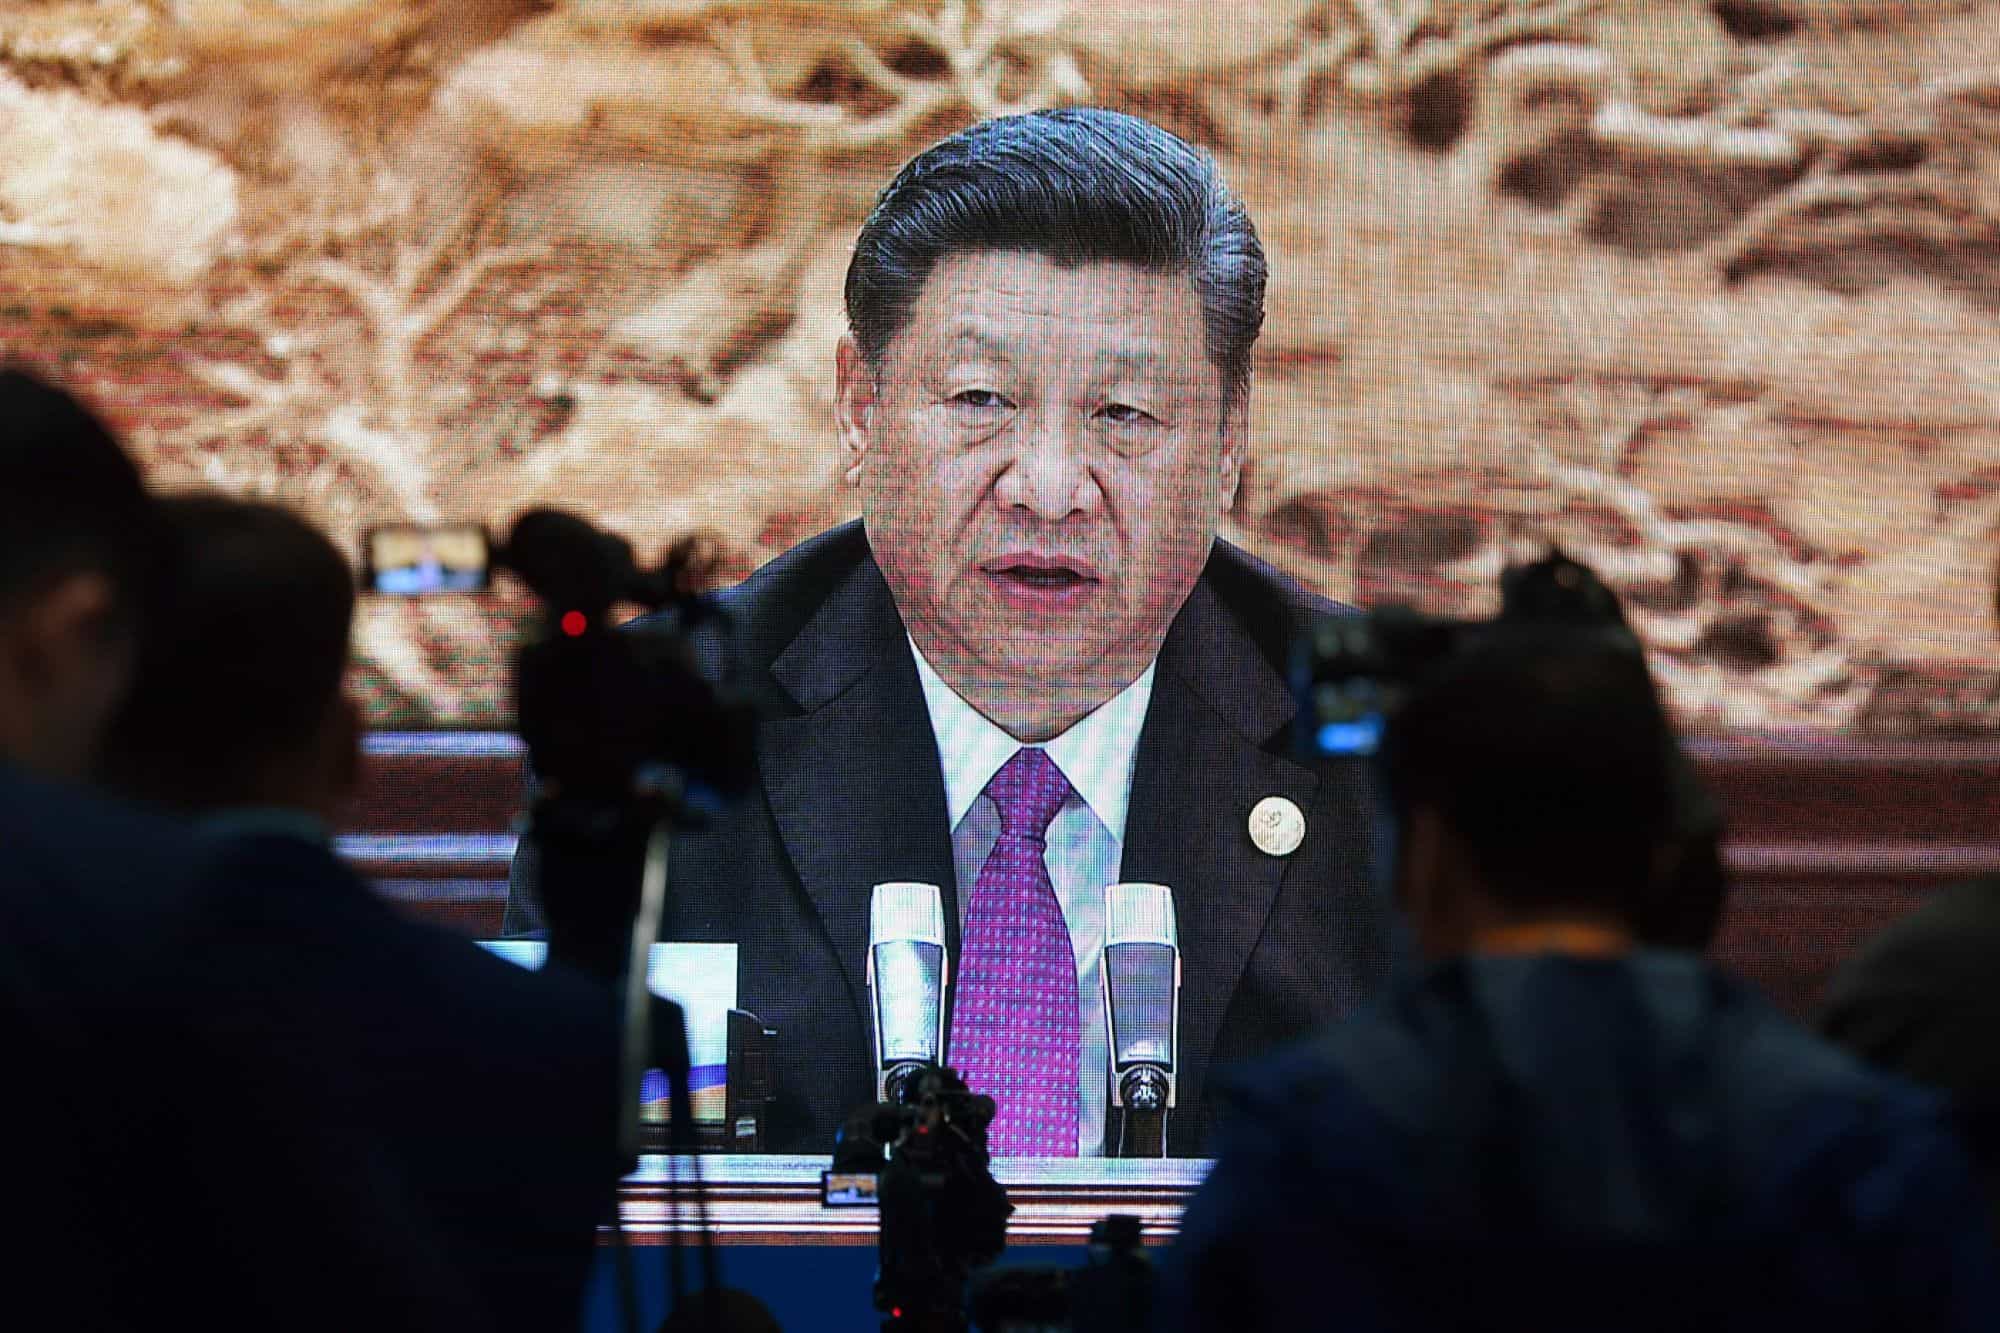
x=1043, y=461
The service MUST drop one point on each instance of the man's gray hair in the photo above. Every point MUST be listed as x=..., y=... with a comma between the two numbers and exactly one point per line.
x=1079, y=186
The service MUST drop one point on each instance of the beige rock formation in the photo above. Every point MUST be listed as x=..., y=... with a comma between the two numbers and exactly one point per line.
x=98, y=185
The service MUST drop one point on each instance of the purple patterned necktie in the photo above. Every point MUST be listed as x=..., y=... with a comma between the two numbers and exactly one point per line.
x=1015, y=1027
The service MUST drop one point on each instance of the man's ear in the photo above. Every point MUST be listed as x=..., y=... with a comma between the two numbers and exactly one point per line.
x=854, y=406
x=1235, y=441
x=65, y=627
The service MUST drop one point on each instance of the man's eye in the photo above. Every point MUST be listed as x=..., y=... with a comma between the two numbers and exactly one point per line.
x=979, y=399
x=1124, y=414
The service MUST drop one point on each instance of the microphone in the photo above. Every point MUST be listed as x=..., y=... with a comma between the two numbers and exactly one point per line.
x=907, y=972
x=1142, y=989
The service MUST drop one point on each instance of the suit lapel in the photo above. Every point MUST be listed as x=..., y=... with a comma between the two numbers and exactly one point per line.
x=1201, y=766
x=854, y=781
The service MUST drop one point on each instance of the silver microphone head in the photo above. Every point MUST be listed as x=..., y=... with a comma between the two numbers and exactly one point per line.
x=907, y=973
x=1140, y=914
x=901, y=910
x=1141, y=979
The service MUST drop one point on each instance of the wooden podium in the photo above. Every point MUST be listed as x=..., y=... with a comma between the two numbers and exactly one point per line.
x=776, y=1200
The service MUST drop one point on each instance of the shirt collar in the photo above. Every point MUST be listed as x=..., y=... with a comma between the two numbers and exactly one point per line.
x=1096, y=755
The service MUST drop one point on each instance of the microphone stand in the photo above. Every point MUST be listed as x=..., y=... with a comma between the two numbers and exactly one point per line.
x=636, y=1059
x=643, y=1049
x=647, y=1044
x=1142, y=1124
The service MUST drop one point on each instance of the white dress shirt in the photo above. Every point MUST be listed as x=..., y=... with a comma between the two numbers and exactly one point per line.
x=1085, y=841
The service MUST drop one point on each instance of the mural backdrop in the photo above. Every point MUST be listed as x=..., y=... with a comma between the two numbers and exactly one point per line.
x=1708, y=292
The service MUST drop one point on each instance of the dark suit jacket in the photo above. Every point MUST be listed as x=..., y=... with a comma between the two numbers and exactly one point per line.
x=851, y=794
x=240, y=1093
x=140, y=1192
x=479, y=1097
x=96, y=904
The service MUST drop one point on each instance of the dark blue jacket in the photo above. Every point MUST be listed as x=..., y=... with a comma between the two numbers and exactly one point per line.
x=1562, y=1143
x=240, y=1093
x=98, y=914
x=480, y=1096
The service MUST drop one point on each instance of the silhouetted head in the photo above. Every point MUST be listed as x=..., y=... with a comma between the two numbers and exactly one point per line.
x=726, y=1310
x=1531, y=779
x=79, y=560
x=239, y=699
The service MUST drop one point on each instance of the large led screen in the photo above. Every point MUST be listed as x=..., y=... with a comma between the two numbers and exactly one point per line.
x=1704, y=292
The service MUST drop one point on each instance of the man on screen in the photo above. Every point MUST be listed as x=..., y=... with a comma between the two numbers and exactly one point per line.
x=1031, y=670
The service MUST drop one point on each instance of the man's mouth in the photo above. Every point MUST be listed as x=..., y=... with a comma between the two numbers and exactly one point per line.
x=1038, y=578
x=1041, y=578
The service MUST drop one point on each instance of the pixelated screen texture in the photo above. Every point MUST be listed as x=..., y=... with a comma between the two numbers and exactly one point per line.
x=1704, y=292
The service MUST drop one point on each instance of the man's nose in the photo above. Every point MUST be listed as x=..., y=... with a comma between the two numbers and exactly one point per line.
x=1049, y=474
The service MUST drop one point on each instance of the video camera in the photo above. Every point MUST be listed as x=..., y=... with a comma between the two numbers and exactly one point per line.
x=924, y=1162
x=630, y=728
x=1351, y=673
x=645, y=713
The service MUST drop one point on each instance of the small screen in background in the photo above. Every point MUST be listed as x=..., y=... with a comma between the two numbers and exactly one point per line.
x=412, y=559
x=849, y=1189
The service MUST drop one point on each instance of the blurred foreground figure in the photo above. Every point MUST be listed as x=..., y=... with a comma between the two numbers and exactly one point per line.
x=93, y=900
x=1923, y=999
x=1551, y=1127
x=483, y=1096
x=137, y=1194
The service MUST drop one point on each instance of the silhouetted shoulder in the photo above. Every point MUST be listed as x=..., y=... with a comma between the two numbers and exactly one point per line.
x=89, y=886
x=1946, y=944
x=85, y=829
x=1272, y=607
x=769, y=609
x=763, y=614
x=1655, y=1035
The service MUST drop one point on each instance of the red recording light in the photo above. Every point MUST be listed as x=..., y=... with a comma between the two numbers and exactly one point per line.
x=574, y=624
